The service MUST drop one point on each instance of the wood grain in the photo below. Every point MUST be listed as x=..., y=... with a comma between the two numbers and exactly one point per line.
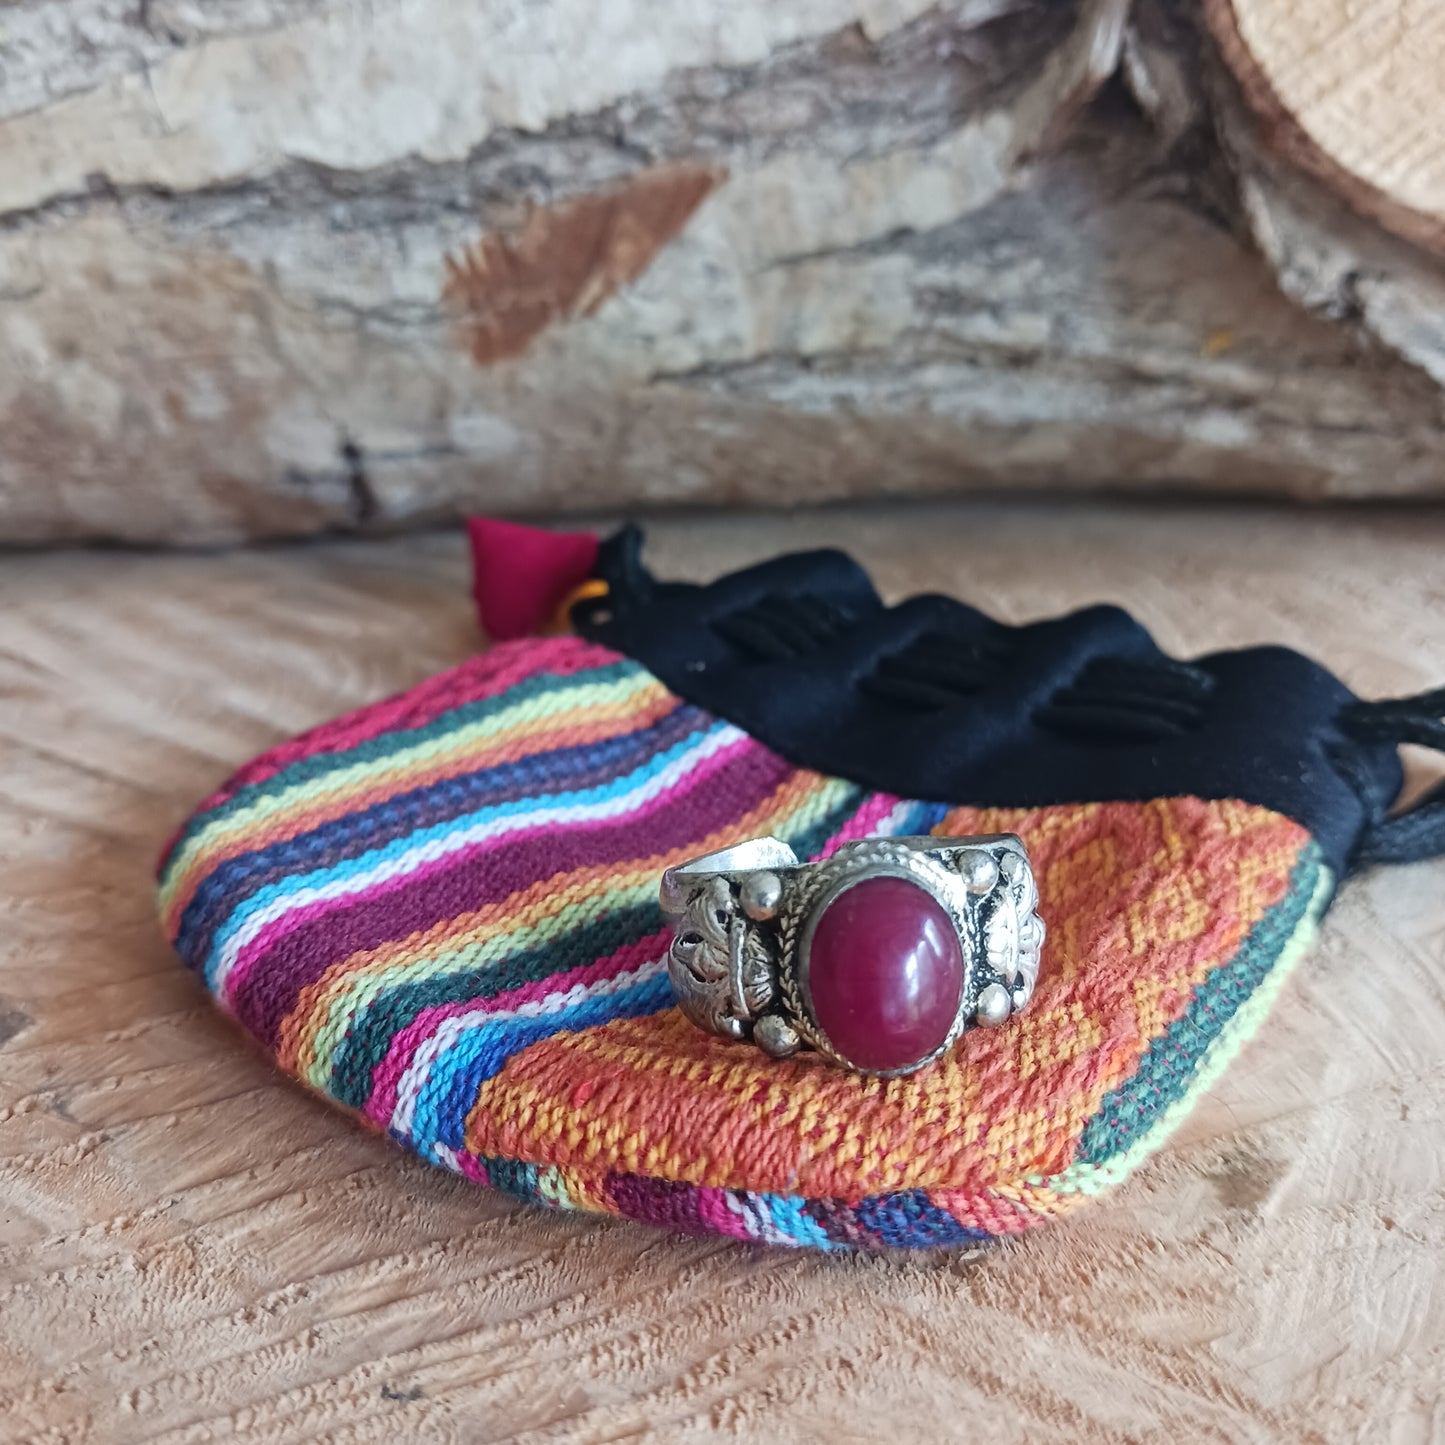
x=191, y=1248
x=1351, y=92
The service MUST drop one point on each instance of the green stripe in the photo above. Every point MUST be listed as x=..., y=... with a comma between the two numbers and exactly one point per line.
x=1091, y=1179
x=386, y=744
x=808, y=842
x=355, y=1029
x=1168, y=1066
x=474, y=973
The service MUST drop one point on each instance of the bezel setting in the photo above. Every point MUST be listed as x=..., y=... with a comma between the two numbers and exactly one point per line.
x=828, y=881
x=745, y=920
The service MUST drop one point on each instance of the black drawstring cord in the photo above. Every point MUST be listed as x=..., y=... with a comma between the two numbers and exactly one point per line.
x=1420, y=832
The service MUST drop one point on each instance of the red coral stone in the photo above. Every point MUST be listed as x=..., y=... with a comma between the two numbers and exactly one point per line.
x=885, y=973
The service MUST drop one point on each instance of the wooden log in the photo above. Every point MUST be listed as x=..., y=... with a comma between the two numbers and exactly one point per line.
x=274, y=267
x=1350, y=94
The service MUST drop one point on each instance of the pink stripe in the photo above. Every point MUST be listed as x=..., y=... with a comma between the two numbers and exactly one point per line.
x=387, y=1076
x=295, y=918
x=473, y=1168
x=863, y=823
x=713, y=1211
x=485, y=675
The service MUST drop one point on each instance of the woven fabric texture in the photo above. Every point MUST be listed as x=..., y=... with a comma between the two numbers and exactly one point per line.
x=441, y=912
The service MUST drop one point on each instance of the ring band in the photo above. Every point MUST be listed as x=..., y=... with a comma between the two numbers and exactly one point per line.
x=878, y=957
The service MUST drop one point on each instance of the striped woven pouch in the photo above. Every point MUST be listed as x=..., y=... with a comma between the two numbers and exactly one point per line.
x=441, y=911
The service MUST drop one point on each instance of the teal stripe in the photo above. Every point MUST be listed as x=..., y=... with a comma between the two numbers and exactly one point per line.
x=789, y=1215
x=263, y=899
x=384, y=745
x=1167, y=1067
x=810, y=841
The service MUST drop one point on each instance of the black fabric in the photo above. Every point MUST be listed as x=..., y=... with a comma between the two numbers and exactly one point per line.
x=932, y=699
x=1420, y=832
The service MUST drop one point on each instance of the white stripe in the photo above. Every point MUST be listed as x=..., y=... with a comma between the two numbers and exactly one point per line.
x=314, y=792
x=889, y=825
x=435, y=848
x=451, y=1029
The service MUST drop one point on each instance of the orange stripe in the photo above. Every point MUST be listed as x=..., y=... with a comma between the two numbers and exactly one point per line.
x=606, y=721
x=657, y=1097
x=543, y=899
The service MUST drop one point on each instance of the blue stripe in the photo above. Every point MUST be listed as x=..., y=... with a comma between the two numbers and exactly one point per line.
x=789, y=1214
x=925, y=817
x=457, y=976
x=395, y=740
x=909, y=1220
x=264, y=898
x=450, y=1089
x=540, y=776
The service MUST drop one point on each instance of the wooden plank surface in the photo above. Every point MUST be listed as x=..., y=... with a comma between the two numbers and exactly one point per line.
x=191, y=1248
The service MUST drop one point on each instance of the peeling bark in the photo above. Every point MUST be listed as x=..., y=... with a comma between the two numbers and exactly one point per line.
x=568, y=259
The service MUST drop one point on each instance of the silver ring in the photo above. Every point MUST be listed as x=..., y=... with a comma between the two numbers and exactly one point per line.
x=878, y=957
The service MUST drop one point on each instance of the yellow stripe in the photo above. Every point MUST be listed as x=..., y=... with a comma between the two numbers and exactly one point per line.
x=314, y=1027
x=596, y=701
x=475, y=949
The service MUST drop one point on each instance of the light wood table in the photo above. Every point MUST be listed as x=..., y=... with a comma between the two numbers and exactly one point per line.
x=192, y=1248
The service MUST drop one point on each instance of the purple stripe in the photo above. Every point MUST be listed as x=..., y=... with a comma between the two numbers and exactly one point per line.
x=568, y=769
x=297, y=918
x=489, y=873
x=661, y=1202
